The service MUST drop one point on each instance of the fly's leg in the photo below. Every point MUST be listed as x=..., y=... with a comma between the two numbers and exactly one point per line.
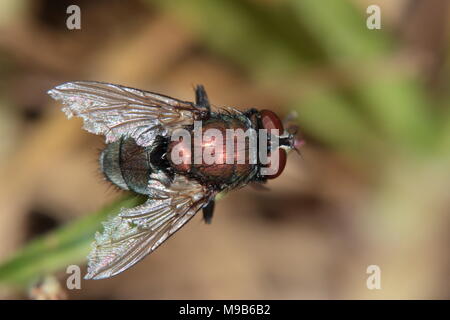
x=201, y=98
x=208, y=212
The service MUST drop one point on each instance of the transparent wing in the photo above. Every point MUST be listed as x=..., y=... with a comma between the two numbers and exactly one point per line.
x=136, y=232
x=114, y=110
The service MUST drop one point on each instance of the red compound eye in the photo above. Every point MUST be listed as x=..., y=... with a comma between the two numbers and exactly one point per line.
x=271, y=121
x=278, y=165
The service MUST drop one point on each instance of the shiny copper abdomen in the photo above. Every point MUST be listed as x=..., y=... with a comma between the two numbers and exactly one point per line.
x=214, y=173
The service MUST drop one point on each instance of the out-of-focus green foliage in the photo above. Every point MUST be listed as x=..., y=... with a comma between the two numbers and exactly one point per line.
x=55, y=251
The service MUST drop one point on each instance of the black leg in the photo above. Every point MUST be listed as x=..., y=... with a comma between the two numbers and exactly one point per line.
x=208, y=212
x=201, y=98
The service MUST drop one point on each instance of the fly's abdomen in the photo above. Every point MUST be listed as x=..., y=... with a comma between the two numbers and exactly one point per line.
x=127, y=165
x=110, y=164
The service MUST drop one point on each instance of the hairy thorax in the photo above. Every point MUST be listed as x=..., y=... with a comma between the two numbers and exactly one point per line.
x=208, y=159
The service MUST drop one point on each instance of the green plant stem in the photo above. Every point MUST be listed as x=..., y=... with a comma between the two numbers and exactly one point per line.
x=52, y=252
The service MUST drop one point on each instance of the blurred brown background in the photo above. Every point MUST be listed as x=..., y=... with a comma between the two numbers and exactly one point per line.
x=371, y=188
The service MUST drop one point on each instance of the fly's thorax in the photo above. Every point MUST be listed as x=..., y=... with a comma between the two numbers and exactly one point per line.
x=211, y=159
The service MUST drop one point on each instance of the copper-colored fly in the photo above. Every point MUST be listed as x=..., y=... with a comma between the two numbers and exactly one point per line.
x=138, y=126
